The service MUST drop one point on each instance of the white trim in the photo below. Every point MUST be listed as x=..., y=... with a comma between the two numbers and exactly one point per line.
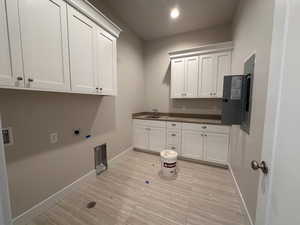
x=5, y=207
x=120, y=154
x=250, y=55
x=25, y=217
x=95, y=15
x=241, y=196
x=37, y=209
x=205, y=49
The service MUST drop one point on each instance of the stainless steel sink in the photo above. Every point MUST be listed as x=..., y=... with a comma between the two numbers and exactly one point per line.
x=152, y=117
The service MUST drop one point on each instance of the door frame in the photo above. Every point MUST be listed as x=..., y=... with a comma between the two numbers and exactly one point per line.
x=5, y=208
x=276, y=73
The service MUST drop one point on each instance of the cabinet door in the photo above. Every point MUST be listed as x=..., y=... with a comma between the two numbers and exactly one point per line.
x=192, y=144
x=106, y=62
x=6, y=75
x=43, y=27
x=207, y=77
x=223, y=67
x=11, y=63
x=191, y=76
x=216, y=147
x=157, y=139
x=141, y=137
x=178, y=78
x=82, y=54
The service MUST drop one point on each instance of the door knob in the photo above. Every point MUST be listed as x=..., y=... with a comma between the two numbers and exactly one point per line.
x=263, y=166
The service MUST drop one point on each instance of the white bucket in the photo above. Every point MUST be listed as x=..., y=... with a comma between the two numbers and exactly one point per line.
x=168, y=163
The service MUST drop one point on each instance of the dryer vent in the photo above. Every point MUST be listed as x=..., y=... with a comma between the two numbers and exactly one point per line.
x=100, y=158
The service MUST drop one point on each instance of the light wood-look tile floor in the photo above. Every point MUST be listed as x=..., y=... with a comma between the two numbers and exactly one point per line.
x=200, y=195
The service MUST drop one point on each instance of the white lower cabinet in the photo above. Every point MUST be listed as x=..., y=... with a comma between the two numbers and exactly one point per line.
x=157, y=139
x=149, y=135
x=141, y=137
x=194, y=141
x=216, y=147
x=192, y=144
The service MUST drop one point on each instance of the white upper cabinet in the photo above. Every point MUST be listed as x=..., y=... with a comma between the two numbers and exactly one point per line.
x=223, y=67
x=6, y=77
x=191, y=77
x=43, y=28
x=178, y=78
x=54, y=45
x=207, y=76
x=199, y=73
x=82, y=52
x=106, y=52
x=184, y=77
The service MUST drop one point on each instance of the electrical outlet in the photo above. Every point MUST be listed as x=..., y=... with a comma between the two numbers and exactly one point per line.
x=53, y=138
x=7, y=136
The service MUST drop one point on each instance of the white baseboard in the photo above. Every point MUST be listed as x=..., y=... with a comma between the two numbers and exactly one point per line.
x=37, y=209
x=241, y=197
x=120, y=154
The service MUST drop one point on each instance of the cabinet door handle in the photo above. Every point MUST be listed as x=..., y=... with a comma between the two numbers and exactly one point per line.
x=173, y=135
x=173, y=124
x=30, y=80
x=100, y=89
x=173, y=147
x=204, y=127
x=19, y=78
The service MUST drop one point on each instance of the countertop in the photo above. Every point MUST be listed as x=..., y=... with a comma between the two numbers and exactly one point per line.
x=181, y=117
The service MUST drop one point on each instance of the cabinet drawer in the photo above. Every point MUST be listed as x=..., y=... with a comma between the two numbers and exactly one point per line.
x=149, y=123
x=173, y=137
x=206, y=128
x=174, y=125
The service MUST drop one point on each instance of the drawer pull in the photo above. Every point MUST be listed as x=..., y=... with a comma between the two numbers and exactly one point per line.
x=173, y=135
x=204, y=127
x=173, y=124
x=173, y=148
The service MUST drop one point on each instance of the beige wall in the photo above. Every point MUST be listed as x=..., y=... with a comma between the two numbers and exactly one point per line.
x=157, y=70
x=252, y=33
x=36, y=168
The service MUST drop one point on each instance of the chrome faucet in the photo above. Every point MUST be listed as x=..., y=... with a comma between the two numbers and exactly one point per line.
x=155, y=113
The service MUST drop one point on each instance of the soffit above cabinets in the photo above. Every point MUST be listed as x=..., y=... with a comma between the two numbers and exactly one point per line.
x=86, y=8
x=204, y=49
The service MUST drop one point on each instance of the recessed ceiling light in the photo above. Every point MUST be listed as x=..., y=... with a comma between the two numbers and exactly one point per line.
x=174, y=13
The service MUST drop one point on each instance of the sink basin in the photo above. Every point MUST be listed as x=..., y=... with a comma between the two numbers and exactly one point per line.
x=152, y=117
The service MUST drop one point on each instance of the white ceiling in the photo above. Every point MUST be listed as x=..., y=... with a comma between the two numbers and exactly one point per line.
x=150, y=18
